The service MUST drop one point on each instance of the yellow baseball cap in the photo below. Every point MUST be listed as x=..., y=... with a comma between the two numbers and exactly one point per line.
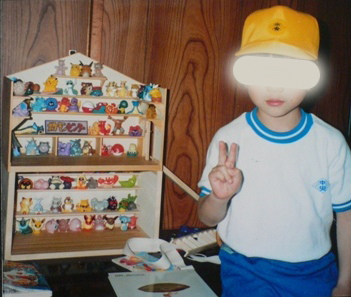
x=280, y=30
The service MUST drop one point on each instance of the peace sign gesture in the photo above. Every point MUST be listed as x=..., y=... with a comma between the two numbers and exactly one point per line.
x=225, y=178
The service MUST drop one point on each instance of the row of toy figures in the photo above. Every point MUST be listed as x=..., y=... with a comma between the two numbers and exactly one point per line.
x=81, y=182
x=90, y=222
x=41, y=104
x=84, y=205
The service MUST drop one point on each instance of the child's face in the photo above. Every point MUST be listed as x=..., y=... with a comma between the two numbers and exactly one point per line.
x=276, y=101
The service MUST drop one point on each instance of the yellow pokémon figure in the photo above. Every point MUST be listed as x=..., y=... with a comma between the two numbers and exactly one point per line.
x=50, y=84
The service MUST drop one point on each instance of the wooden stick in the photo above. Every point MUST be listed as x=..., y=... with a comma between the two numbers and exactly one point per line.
x=180, y=183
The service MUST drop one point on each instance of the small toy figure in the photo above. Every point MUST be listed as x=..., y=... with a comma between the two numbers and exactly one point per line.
x=51, y=104
x=105, y=128
x=135, y=131
x=75, y=149
x=22, y=109
x=127, y=203
x=123, y=105
x=31, y=129
x=68, y=205
x=63, y=225
x=44, y=147
x=36, y=89
x=83, y=206
x=63, y=149
x=132, y=223
x=38, y=207
x=50, y=84
x=19, y=87
x=29, y=88
x=98, y=69
x=111, y=108
x=85, y=69
x=32, y=148
x=88, y=222
x=94, y=129
x=41, y=184
x=86, y=89
x=135, y=88
x=112, y=203
x=122, y=90
x=135, y=109
x=37, y=225
x=99, y=223
x=99, y=205
x=55, y=183
x=155, y=94
x=51, y=226
x=92, y=183
x=107, y=182
x=75, y=70
x=61, y=68
x=96, y=91
x=106, y=150
x=143, y=92
x=39, y=104
x=151, y=113
x=124, y=222
x=56, y=205
x=87, y=148
x=117, y=150
x=130, y=183
x=111, y=88
x=132, y=151
x=25, y=205
x=67, y=182
x=81, y=182
x=25, y=183
x=70, y=90
x=110, y=222
x=75, y=225
x=74, y=105
x=24, y=227
x=88, y=107
x=118, y=125
x=64, y=104
x=100, y=108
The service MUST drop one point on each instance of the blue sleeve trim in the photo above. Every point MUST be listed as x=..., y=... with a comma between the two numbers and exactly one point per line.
x=204, y=192
x=342, y=207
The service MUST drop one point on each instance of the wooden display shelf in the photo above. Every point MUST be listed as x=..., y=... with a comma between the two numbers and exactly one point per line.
x=82, y=163
x=71, y=244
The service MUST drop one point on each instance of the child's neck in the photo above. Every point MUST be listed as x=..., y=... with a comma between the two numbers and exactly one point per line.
x=283, y=123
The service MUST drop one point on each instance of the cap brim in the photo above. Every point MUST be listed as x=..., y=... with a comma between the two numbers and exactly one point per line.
x=275, y=48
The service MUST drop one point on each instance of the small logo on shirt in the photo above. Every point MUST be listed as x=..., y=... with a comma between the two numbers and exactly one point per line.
x=322, y=185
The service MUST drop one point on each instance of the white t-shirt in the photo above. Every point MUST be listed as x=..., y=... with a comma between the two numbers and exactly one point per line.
x=292, y=183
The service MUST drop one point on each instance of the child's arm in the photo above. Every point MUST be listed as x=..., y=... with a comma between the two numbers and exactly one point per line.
x=343, y=225
x=225, y=180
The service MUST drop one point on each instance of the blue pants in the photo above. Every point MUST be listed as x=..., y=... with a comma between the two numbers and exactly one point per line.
x=243, y=276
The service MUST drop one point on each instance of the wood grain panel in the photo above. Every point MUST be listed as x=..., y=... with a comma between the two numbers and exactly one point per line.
x=123, y=39
x=35, y=32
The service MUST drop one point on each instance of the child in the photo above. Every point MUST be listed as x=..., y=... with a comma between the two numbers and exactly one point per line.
x=273, y=191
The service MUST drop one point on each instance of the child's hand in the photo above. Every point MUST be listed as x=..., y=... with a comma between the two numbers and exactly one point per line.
x=225, y=178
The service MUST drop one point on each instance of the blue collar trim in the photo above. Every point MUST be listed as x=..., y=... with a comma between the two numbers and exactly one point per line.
x=293, y=135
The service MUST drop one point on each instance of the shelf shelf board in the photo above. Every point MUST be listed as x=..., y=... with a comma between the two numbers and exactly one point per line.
x=99, y=189
x=75, y=213
x=70, y=244
x=84, y=163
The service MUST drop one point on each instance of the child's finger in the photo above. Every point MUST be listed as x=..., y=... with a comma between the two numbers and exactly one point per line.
x=222, y=158
x=232, y=155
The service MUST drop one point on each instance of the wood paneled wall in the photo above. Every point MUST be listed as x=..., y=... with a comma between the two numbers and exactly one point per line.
x=186, y=46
